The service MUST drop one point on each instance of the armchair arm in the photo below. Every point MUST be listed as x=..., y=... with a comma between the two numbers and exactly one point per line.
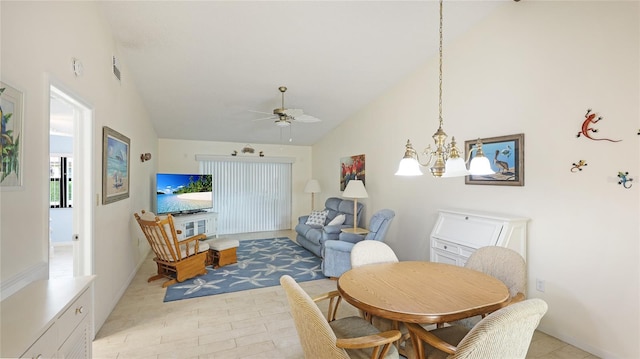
x=419, y=334
x=351, y=237
x=332, y=229
x=303, y=219
x=334, y=301
x=196, y=239
x=380, y=342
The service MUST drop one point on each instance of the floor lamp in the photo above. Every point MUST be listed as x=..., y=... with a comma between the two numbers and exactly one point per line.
x=312, y=187
x=355, y=189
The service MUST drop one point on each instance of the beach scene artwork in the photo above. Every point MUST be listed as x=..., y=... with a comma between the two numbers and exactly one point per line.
x=183, y=193
x=115, y=166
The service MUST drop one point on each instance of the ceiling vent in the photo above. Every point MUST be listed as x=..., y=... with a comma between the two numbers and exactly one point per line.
x=116, y=70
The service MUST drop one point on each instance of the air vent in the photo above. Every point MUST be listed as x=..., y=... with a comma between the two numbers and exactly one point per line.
x=116, y=70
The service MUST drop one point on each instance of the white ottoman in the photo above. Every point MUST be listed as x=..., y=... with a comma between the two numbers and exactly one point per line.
x=223, y=251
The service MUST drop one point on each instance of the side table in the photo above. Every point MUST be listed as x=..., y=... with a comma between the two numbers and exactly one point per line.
x=355, y=230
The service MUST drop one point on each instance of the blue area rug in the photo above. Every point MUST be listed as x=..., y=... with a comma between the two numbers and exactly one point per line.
x=261, y=263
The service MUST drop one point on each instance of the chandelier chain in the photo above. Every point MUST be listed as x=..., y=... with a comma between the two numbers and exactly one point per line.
x=440, y=71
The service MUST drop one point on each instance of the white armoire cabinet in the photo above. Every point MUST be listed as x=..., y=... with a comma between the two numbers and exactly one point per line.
x=458, y=233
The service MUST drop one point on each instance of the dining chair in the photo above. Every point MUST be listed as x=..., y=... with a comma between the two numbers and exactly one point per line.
x=327, y=338
x=504, y=264
x=372, y=252
x=503, y=334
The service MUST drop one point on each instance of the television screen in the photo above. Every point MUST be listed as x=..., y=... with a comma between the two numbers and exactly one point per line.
x=183, y=193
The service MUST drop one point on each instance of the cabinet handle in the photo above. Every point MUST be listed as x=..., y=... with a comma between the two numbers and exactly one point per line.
x=445, y=247
x=79, y=310
x=466, y=218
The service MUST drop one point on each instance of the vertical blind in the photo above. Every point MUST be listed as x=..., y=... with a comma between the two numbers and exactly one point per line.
x=250, y=196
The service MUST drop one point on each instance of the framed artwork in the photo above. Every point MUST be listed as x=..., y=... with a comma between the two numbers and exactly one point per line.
x=506, y=155
x=115, y=166
x=351, y=168
x=11, y=112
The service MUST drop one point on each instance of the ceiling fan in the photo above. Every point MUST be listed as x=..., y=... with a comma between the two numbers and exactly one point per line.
x=284, y=117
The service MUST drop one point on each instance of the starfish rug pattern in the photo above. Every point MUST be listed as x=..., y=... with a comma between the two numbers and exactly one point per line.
x=261, y=263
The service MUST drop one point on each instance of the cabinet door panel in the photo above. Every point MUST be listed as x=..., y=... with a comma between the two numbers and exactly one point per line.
x=471, y=231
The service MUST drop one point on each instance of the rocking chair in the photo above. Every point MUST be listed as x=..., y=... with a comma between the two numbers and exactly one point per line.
x=177, y=260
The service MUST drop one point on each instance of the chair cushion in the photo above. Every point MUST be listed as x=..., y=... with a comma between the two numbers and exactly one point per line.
x=351, y=327
x=317, y=218
x=337, y=221
x=222, y=244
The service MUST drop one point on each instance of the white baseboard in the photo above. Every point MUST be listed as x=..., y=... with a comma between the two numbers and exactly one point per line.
x=22, y=279
x=599, y=352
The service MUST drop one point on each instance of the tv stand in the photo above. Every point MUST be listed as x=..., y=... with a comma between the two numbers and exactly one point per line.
x=197, y=223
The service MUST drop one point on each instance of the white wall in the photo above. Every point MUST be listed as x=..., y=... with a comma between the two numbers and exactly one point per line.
x=178, y=156
x=39, y=39
x=532, y=68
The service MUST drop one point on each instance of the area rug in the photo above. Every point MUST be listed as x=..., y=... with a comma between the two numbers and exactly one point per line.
x=261, y=263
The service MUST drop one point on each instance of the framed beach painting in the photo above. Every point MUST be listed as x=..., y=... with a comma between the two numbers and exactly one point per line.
x=506, y=156
x=351, y=167
x=115, y=165
x=11, y=107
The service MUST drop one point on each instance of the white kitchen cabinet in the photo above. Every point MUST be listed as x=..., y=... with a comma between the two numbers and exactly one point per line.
x=198, y=223
x=48, y=319
x=458, y=233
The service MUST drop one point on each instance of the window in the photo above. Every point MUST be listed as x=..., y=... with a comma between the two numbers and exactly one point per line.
x=249, y=196
x=60, y=175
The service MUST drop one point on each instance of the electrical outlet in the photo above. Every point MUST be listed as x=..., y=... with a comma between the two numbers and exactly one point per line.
x=539, y=285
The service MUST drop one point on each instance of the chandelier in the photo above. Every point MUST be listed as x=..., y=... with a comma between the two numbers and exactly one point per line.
x=444, y=160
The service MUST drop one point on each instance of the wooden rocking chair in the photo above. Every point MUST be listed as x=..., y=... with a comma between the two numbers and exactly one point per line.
x=176, y=259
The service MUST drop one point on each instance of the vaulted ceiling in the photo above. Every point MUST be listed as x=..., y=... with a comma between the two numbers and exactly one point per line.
x=202, y=67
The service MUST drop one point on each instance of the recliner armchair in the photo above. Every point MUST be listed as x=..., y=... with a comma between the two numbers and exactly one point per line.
x=312, y=237
x=337, y=253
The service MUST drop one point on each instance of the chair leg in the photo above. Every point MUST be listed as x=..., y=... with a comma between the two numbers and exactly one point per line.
x=169, y=282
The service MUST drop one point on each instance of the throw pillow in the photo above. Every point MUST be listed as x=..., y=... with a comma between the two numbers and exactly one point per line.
x=338, y=220
x=317, y=218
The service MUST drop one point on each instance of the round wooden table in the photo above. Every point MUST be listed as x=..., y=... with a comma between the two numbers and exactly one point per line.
x=422, y=292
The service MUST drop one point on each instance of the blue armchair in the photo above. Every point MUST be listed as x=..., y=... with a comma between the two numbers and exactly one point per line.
x=337, y=253
x=312, y=237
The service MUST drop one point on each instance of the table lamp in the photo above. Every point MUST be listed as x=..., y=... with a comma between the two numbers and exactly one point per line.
x=312, y=187
x=355, y=189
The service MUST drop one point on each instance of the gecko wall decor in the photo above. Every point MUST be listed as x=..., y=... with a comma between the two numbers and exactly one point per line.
x=587, y=129
x=577, y=167
x=625, y=180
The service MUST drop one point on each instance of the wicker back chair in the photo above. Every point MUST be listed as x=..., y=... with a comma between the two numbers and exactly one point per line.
x=505, y=333
x=328, y=338
x=177, y=260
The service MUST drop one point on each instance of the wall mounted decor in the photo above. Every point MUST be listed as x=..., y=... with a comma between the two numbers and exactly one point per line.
x=576, y=167
x=351, y=168
x=11, y=107
x=116, y=150
x=625, y=180
x=506, y=154
x=590, y=119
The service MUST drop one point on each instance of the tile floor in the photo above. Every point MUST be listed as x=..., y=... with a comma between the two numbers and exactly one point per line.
x=249, y=324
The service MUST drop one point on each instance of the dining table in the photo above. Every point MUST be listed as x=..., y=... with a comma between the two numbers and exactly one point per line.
x=422, y=292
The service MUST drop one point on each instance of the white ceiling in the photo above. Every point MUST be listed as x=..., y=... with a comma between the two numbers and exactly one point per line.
x=201, y=66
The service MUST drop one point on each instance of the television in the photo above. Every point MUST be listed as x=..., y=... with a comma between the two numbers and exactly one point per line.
x=183, y=193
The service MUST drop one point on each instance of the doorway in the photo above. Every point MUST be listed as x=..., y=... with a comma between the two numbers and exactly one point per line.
x=70, y=185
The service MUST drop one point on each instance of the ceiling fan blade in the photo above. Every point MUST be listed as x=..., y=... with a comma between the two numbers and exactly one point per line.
x=307, y=119
x=262, y=112
x=293, y=112
x=266, y=118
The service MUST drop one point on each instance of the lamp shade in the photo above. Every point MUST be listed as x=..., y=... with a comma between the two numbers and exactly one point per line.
x=480, y=166
x=455, y=167
x=312, y=187
x=355, y=189
x=409, y=167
